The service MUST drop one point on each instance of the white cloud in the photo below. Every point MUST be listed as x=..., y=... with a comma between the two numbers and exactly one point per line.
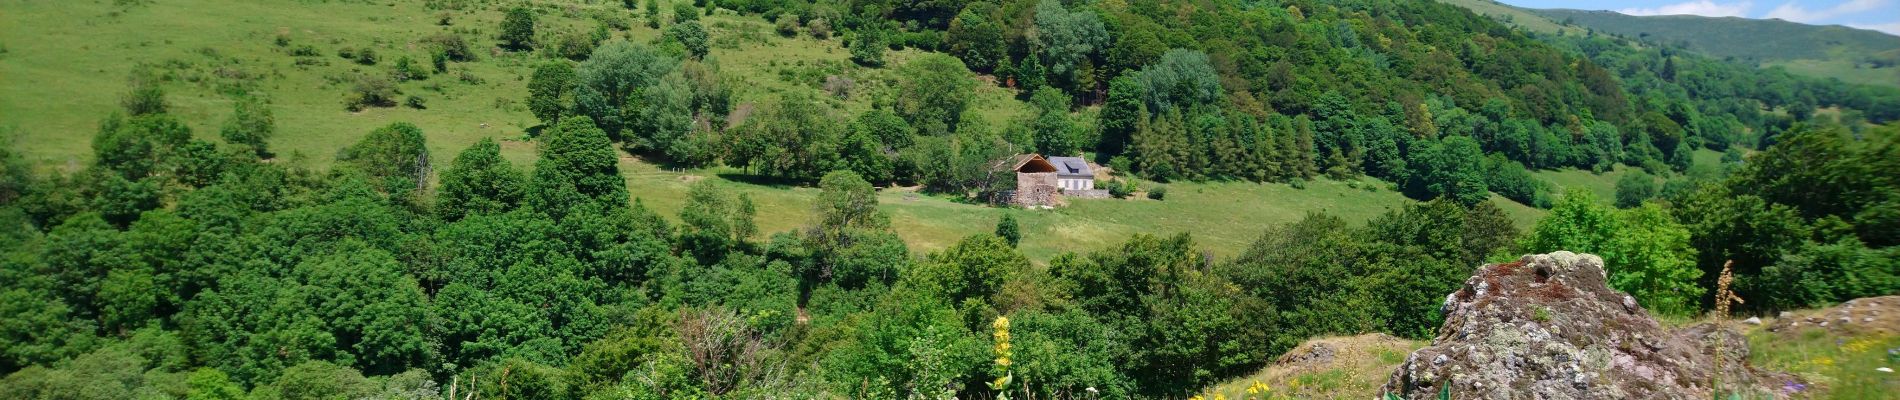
x=1706, y=8
x=1795, y=12
x=1891, y=28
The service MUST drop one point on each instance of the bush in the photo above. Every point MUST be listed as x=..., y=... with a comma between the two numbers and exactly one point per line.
x=517, y=29
x=407, y=69
x=372, y=91
x=451, y=45
x=1159, y=192
x=820, y=28
x=303, y=51
x=1634, y=188
x=366, y=57
x=1119, y=188
x=415, y=102
x=867, y=49
x=788, y=25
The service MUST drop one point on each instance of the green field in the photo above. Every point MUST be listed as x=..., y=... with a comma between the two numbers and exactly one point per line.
x=1223, y=217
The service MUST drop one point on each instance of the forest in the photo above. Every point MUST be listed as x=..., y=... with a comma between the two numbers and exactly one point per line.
x=174, y=267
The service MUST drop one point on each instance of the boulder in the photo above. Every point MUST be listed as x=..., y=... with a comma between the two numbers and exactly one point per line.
x=1548, y=326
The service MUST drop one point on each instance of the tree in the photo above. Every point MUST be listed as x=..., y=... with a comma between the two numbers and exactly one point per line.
x=251, y=124
x=1121, y=114
x=1644, y=250
x=684, y=13
x=517, y=29
x=1051, y=126
x=394, y=155
x=691, y=37
x=706, y=224
x=141, y=146
x=551, y=91
x=1634, y=188
x=867, y=48
x=612, y=84
x=1452, y=167
x=1007, y=229
x=1182, y=78
x=665, y=121
x=146, y=96
x=479, y=181
x=792, y=138
x=576, y=159
x=1066, y=38
x=977, y=39
x=937, y=90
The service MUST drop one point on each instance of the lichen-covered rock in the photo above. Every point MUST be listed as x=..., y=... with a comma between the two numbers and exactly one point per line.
x=1549, y=326
x=1875, y=316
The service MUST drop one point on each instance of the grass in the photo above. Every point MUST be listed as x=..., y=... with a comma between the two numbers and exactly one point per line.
x=1360, y=365
x=1223, y=217
x=1514, y=16
x=1603, y=185
x=1846, y=70
x=1838, y=366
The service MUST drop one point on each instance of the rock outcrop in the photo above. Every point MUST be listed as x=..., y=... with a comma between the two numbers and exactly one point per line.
x=1549, y=326
x=1875, y=316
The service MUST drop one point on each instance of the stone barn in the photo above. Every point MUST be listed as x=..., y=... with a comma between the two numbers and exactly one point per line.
x=1042, y=181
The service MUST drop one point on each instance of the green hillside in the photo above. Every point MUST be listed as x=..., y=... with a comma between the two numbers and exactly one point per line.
x=1742, y=38
x=1852, y=55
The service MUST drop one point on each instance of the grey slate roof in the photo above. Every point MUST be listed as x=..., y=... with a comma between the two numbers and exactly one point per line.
x=1072, y=167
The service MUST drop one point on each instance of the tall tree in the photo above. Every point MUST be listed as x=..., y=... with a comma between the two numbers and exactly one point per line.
x=517, y=29
x=394, y=155
x=551, y=91
x=479, y=181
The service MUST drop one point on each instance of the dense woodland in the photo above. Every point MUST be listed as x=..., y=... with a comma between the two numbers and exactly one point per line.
x=173, y=267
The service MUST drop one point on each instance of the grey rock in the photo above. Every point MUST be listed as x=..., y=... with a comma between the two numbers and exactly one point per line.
x=1594, y=342
x=1752, y=321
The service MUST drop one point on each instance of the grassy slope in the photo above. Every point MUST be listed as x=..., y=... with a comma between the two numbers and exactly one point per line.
x=1514, y=16
x=1360, y=364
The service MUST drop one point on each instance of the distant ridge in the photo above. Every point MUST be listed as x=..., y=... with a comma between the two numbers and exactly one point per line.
x=1743, y=38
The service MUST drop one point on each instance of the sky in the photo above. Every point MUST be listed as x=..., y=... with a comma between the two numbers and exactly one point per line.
x=1880, y=15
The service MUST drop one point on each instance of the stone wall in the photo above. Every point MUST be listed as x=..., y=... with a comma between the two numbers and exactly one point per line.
x=1036, y=189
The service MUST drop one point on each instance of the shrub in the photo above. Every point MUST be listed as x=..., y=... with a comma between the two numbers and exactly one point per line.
x=517, y=29
x=820, y=28
x=1119, y=188
x=788, y=25
x=415, y=102
x=372, y=91
x=1159, y=192
x=367, y=56
x=407, y=69
x=867, y=49
x=451, y=45
x=303, y=51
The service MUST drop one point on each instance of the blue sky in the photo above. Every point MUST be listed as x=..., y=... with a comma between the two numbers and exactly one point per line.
x=1881, y=15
